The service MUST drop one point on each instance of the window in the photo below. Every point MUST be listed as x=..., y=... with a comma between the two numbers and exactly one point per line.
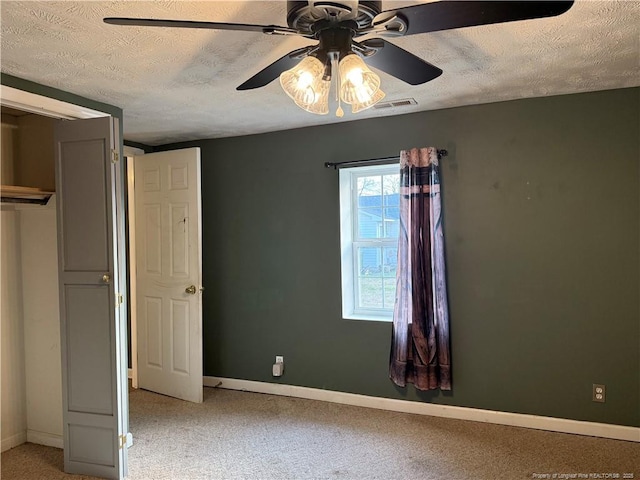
x=369, y=226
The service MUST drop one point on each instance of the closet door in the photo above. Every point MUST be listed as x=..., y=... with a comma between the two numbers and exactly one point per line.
x=94, y=388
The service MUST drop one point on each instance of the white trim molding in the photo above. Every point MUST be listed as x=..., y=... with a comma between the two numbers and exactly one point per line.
x=577, y=427
x=41, y=105
x=130, y=153
x=43, y=438
x=13, y=441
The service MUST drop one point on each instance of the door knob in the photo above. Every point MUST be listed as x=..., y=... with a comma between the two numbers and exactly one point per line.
x=191, y=290
x=106, y=278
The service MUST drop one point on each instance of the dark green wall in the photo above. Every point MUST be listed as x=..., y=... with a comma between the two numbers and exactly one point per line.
x=541, y=200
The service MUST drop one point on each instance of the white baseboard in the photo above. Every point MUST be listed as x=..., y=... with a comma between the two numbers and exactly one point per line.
x=13, y=441
x=42, y=438
x=618, y=432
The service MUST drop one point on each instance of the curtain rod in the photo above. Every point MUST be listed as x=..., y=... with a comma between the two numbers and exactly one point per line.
x=354, y=163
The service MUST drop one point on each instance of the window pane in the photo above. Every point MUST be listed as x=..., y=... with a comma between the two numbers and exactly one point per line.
x=369, y=262
x=391, y=222
x=370, y=223
x=370, y=292
x=391, y=189
x=391, y=199
x=390, y=261
x=389, y=292
x=369, y=191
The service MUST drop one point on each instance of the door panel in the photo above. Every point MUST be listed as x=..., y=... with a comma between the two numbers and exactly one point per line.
x=152, y=317
x=180, y=336
x=179, y=262
x=89, y=349
x=168, y=242
x=84, y=205
x=91, y=444
x=94, y=389
x=153, y=239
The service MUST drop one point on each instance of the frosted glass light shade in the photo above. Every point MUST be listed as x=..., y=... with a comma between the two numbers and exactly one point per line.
x=358, y=107
x=304, y=84
x=359, y=86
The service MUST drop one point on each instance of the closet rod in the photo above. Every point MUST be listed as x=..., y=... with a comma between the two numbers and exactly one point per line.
x=369, y=161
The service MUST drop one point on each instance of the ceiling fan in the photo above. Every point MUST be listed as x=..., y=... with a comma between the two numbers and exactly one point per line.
x=306, y=73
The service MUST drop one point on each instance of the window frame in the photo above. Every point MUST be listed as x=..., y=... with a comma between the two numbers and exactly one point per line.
x=349, y=241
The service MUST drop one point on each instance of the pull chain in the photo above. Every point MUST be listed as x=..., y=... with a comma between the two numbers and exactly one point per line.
x=336, y=73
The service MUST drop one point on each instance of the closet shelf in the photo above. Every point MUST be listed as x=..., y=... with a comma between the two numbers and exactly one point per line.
x=16, y=194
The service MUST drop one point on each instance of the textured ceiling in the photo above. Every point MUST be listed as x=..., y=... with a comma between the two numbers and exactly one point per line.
x=179, y=84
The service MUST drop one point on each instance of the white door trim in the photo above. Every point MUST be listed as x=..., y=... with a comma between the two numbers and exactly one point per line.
x=129, y=154
x=49, y=107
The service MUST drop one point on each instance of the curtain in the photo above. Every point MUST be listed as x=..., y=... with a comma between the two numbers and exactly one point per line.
x=420, y=339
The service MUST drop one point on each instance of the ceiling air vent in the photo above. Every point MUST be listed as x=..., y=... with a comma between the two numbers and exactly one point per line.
x=405, y=102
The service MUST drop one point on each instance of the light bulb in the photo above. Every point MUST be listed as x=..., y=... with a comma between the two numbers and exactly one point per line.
x=355, y=77
x=305, y=79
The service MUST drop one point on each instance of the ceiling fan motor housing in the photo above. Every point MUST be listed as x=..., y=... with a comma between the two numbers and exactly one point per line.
x=302, y=15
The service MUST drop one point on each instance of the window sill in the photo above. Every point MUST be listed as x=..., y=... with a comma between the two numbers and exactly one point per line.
x=368, y=317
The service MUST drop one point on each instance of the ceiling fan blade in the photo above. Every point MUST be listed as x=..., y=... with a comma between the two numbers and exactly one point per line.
x=445, y=15
x=273, y=71
x=152, y=22
x=399, y=63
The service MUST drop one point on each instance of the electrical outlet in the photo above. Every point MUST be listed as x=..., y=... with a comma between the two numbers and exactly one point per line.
x=279, y=359
x=599, y=393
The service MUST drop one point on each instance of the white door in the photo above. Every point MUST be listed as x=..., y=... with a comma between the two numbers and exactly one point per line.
x=169, y=273
x=93, y=333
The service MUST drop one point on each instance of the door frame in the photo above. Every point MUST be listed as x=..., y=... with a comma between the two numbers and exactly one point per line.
x=58, y=109
x=129, y=154
x=50, y=107
x=46, y=106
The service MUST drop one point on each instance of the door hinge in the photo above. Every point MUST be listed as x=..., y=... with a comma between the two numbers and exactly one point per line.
x=118, y=299
x=122, y=442
x=115, y=156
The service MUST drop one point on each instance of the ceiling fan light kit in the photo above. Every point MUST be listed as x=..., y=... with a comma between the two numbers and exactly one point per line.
x=332, y=61
x=309, y=82
x=306, y=73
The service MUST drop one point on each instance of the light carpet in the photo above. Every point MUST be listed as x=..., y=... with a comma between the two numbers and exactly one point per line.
x=241, y=435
